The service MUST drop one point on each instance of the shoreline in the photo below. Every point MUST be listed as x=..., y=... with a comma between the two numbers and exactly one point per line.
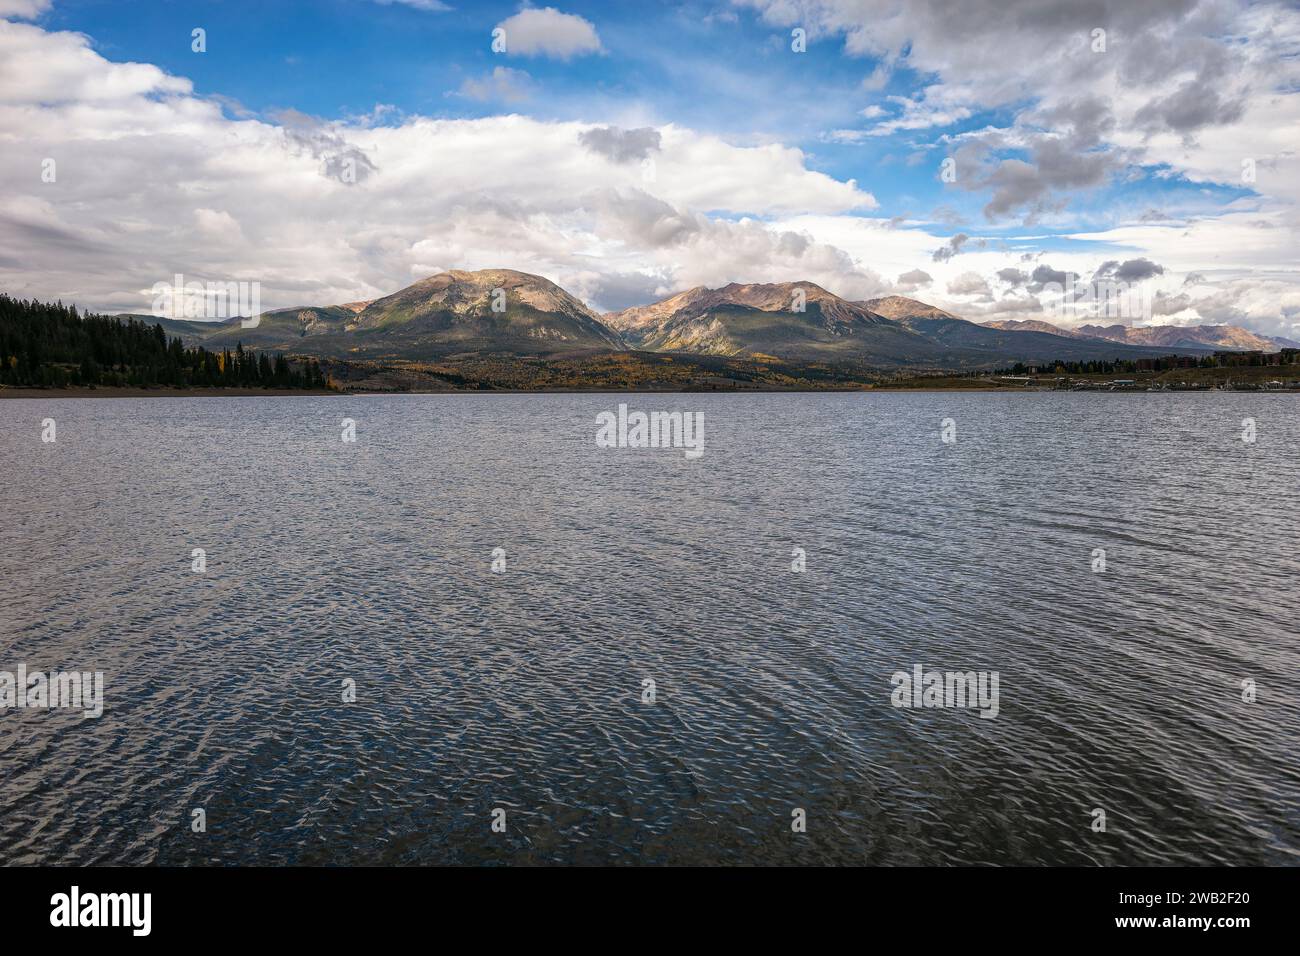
x=108, y=392
x=105, y=391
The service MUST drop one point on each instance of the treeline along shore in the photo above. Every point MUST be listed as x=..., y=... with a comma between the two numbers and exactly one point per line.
x=46, y=345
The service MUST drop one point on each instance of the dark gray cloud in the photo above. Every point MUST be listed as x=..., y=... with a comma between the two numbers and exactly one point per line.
x=1131, y=270
x=616, y=291
x=1066, y=152
x=1193, y=106
x=1162, y=304
x=51, y=236
x=953, y=246
x=1222, y=308
x=649, y=219
x=1013, y=277
x=621, y=145
x=1191, y=47
x=793, y=243
x=913, y=280
x=1084, y=120
x=1193, y=63
x=1056, y=165
x=1045, y=274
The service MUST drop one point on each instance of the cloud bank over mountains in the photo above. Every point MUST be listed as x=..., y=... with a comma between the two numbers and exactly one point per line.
x=152, y=178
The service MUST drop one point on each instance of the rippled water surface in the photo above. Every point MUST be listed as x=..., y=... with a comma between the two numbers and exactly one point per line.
x=329, y=561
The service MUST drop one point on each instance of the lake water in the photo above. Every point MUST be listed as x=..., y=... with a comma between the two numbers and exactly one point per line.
x=1119, y=690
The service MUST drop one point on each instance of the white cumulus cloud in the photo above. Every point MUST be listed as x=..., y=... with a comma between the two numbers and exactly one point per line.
x=548, y=32
x=153, y=180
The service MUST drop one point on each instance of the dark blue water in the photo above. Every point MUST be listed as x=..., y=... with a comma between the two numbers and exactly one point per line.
x=371, y=562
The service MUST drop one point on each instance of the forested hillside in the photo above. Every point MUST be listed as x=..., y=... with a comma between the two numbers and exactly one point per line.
x=46, y=345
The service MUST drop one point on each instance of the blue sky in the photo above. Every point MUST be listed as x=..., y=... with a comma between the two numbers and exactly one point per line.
x=1061, y=150
x=703, y=65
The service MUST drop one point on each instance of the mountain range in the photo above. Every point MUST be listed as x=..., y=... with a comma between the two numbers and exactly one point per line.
x=1223, y=337
x=797, y=321
x=501, y=312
